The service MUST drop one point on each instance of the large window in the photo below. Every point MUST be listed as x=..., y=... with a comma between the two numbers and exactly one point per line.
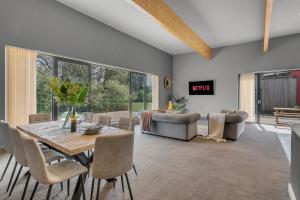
x=111, y=89
x=44, y=72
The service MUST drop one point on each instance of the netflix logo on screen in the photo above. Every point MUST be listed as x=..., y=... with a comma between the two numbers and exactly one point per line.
x=201, y=88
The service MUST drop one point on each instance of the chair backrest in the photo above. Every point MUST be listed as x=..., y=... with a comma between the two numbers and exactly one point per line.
x=126, y=123
x=113, y=155
x=40, y=117
x=36, y=160
x=19, y=150
x=4, y=128
x=103, y=120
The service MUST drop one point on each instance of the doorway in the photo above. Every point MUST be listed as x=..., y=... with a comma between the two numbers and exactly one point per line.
x=277, y=89
x=262, y=93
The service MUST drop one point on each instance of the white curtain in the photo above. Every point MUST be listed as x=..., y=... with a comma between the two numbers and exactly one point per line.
x=155, y=92
x=247, y=95
x=21, y=84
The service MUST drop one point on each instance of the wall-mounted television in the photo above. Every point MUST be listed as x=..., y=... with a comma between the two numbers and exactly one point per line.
x=201, y=87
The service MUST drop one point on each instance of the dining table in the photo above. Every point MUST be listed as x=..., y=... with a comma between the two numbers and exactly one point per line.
x=73, y=145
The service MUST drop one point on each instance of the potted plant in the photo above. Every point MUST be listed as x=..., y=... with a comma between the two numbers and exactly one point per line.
x=69, y=94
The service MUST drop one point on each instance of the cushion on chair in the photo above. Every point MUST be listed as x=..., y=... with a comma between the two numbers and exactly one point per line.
x=51, y=155
x=64, y=170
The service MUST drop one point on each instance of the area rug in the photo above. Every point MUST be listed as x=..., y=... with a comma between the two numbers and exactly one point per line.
x=252, y=168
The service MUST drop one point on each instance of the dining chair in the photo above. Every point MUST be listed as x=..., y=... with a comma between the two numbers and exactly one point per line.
x=8, y=145
x=50, y=174
x=103, y=120
x=100, y=120
x=113, y=157
x=39, y=117
x=127, y=123
x=21, y=159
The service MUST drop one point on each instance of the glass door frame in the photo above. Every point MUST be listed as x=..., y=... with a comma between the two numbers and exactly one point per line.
x=130, y=100
x=258, y=97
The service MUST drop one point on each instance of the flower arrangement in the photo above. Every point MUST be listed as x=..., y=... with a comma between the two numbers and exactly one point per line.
x=69, y=94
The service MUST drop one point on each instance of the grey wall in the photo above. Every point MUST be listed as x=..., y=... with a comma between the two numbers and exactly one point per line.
x=224, y=68
x=49, y=26
x=52, y=27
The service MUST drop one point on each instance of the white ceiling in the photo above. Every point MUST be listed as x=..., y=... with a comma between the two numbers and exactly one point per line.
x=218, y=22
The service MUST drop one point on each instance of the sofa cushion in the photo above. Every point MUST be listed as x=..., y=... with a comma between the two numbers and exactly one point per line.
x=176, y=118
x=235, y=117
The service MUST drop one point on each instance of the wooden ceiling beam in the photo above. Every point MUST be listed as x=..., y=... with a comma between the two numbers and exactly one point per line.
x=175, y=25
x=268, y=19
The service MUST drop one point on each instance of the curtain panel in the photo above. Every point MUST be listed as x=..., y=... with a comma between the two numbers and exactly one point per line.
x=21, y=84
x=247, y=95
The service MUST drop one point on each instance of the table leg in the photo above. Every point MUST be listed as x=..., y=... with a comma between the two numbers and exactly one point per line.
x=85, y=161
x=78, y=188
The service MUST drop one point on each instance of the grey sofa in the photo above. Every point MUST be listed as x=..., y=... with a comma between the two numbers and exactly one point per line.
x=234, y=124
x=178, y=126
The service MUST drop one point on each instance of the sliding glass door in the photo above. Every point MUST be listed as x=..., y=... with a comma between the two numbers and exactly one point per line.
x=140, y=93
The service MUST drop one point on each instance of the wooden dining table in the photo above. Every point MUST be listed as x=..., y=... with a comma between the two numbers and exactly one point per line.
x=72, y=145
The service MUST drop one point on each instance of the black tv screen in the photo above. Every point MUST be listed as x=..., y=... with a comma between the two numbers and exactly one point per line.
x=201, y=88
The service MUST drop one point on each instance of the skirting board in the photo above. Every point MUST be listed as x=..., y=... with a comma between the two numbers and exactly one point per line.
x=291, y=192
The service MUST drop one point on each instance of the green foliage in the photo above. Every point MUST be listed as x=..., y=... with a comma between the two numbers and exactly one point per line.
x=111, y=96
x=43, y=94
x=179, y=104
x=68, y=93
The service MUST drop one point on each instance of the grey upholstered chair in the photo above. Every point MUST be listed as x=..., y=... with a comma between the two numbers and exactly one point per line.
x=113, y=157
x=21, y=159
x=4, y=128
x=49, y=174
x=127, y=123
x=103, y=120
x=40, y=117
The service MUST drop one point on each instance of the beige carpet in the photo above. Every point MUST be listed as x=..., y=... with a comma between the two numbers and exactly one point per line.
x=253, y=168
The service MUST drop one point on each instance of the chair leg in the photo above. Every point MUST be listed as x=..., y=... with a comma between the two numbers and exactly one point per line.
x=12, y=175
x=92, y=188
x=4, y=172
x=61, y=184
x=122, y=183
x=114, y=183
x=98, y=189
x=28, y=172
x=34, y=190
x=68, y=186
x=128, y=184
x=16, y=180
x=49, y=192
x=82, y=185
x=134, y=170
x=26, y=185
